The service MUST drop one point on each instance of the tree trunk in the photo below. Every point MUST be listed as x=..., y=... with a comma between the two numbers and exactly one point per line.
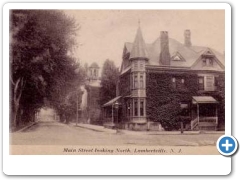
x=14, y=115
x=17, y=93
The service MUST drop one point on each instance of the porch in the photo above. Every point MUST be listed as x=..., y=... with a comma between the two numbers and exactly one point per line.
x=204, y=113
x=111, y=113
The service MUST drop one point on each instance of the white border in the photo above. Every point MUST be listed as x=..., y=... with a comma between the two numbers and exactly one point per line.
x=114, y=165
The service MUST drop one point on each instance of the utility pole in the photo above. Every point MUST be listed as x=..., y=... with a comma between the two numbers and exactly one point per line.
x=77, y=110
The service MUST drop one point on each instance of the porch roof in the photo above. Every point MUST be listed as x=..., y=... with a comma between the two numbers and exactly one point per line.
x=204, y=99
x=110, y=103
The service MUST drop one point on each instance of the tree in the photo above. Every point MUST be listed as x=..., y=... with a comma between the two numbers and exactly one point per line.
x=109, y=81
x=41, y=68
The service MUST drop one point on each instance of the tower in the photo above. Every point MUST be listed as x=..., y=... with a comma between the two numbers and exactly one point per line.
x=93, y=72
x=138, y=58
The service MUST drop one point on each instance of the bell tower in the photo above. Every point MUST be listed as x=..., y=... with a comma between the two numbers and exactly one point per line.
x=93, y=72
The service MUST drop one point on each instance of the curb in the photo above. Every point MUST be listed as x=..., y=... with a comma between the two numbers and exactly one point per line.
x=93, y=129
x=150, y=133
x=26, y=127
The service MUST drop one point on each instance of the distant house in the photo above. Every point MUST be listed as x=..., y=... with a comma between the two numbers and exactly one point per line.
x=167, y=82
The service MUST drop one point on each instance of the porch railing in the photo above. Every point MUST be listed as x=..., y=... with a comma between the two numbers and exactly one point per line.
x=212, y=119
x=194, y=123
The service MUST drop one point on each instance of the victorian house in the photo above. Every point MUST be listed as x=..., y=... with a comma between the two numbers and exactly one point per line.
x=167, y=82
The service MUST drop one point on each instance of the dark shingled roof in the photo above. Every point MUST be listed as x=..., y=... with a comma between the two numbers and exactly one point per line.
x=189, y=55
x=138, y=49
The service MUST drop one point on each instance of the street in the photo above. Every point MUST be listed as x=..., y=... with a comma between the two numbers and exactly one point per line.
x=55, y=133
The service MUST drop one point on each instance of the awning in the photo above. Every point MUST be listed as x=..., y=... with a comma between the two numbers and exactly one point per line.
x=203, y=99
x=112, y=101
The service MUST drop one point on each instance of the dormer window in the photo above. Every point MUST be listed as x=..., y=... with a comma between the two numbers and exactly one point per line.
x=210, y=62
x=207, y=62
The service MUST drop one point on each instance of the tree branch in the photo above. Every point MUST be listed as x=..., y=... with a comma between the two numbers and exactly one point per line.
x=12, y=80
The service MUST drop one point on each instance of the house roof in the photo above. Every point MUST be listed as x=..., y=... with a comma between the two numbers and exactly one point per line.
x=138, y=49
x=188, y=55
x=94, y=65
x=204, y=99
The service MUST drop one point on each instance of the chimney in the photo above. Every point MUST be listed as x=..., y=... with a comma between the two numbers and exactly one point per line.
x=187, y=38
x=164, y=54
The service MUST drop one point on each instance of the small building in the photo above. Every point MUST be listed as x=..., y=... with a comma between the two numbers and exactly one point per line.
x=166, y=83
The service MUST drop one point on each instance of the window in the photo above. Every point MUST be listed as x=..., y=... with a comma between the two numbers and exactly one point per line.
x=136, y=64
x=201, y=83
x=209, y=83
x=204, y=62
x=182, y=81
x=142, y=107
x=174, y=84
x=135, y=81
x=141, y=65
x=174, y=80
x=216, y=81
x=95, y=72
x=210, y=62
x=184, y=109
x=207, y=62
x=141, y=81
x=135, y=107
x=128, y=109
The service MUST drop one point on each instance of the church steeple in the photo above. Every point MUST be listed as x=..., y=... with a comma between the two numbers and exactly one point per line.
x=139, y=48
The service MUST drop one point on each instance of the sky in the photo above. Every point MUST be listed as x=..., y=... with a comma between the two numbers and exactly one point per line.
x=102, y=33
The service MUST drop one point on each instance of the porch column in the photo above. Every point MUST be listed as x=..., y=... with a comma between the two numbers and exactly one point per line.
x=216, y=115
x=112, y=115
x=198, y=113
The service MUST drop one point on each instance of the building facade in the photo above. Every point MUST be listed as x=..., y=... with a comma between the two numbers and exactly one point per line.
x=167, y=83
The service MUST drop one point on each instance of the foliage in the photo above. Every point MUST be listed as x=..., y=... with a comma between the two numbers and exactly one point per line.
x=42, y=72
x=108, y=82
x=164, y=101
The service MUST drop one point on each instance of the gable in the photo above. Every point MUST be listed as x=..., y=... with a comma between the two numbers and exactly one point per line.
x=177, y=57
x=208, y=63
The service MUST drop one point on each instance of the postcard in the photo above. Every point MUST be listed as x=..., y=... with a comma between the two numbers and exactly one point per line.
x=105, y=84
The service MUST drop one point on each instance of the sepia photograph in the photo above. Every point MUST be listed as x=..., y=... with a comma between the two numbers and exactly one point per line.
x=116, y=82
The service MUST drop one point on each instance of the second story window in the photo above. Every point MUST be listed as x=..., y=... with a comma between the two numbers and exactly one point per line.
x=174, y=84
x=182, y=81
x=135, y=81
x=141, y=81
x=200, y=83
x=209, y=83
x=135, y=65
x=141, y=65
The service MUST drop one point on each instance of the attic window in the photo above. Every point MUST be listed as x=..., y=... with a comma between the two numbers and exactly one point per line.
x=176, y=58
x=207, y=62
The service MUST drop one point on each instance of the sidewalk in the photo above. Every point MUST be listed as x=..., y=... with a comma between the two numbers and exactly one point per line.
x=24, y=128
x=123, y=131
